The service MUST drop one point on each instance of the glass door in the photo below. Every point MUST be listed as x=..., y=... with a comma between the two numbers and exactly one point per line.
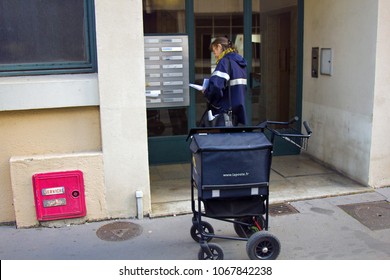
x=212, y=19
x=274, y=60
x=266, y=33
x=274, y=73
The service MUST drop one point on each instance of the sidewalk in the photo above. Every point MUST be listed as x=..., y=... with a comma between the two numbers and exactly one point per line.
x=293, y=178
x=320, y=229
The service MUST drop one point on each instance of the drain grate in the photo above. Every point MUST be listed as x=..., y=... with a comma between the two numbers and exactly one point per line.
x=374, y=215
x=281, y=209
x=118, y=231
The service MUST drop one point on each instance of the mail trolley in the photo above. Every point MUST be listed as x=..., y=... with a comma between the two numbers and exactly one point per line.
x=230, y=172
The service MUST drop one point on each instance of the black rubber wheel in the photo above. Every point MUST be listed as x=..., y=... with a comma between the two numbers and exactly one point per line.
x=206, y=227
x=216, y=253
x=263, y=246
x=247, y=231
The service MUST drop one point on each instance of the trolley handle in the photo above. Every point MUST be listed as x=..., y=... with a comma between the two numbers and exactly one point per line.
x=291, y=121
x=289, y=132
x=287, y=123
x=308, y=129
x=277, y=133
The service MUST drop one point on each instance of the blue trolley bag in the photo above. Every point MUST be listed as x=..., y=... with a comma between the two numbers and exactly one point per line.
x=231, y=172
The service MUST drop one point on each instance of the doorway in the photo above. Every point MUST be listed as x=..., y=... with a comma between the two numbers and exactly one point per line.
x=265, y=33
x=277, y=67
x=275, y=76
x=270, y=50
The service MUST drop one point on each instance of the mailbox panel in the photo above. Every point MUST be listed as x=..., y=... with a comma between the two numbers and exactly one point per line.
x=59, y=195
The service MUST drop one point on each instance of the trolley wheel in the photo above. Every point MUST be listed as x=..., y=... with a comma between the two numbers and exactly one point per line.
x=263, y=246
x=206, y=227
x=246, y=231
x=215, y=250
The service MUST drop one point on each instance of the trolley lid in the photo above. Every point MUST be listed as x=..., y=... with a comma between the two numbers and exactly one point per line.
x=229, y=141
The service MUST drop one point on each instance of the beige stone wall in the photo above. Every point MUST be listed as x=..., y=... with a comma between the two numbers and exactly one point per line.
x=23, y=168
x=121, y=64
x=113, y=124
x=380, y=150
x=36, y=132
x=340, y=107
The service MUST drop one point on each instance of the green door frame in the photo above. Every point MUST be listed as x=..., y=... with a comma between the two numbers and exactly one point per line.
x=248, y=54
x=190, y=28
x=173, y=149
x=281, y=147
x=300, y=59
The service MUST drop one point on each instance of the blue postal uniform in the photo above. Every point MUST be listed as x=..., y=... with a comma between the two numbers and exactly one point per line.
x=217, y=92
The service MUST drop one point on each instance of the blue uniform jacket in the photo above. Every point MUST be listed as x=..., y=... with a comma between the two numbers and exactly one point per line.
x=217, y=91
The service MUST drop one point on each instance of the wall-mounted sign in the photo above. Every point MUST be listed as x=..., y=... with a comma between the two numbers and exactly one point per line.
x=166, y=71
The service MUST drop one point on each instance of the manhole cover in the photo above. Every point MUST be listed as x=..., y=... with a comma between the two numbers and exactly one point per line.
x=281, y=209
x=374, y=215
x=118, y=231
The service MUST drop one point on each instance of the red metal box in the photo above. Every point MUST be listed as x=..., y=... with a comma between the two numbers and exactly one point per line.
x=59, y=195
